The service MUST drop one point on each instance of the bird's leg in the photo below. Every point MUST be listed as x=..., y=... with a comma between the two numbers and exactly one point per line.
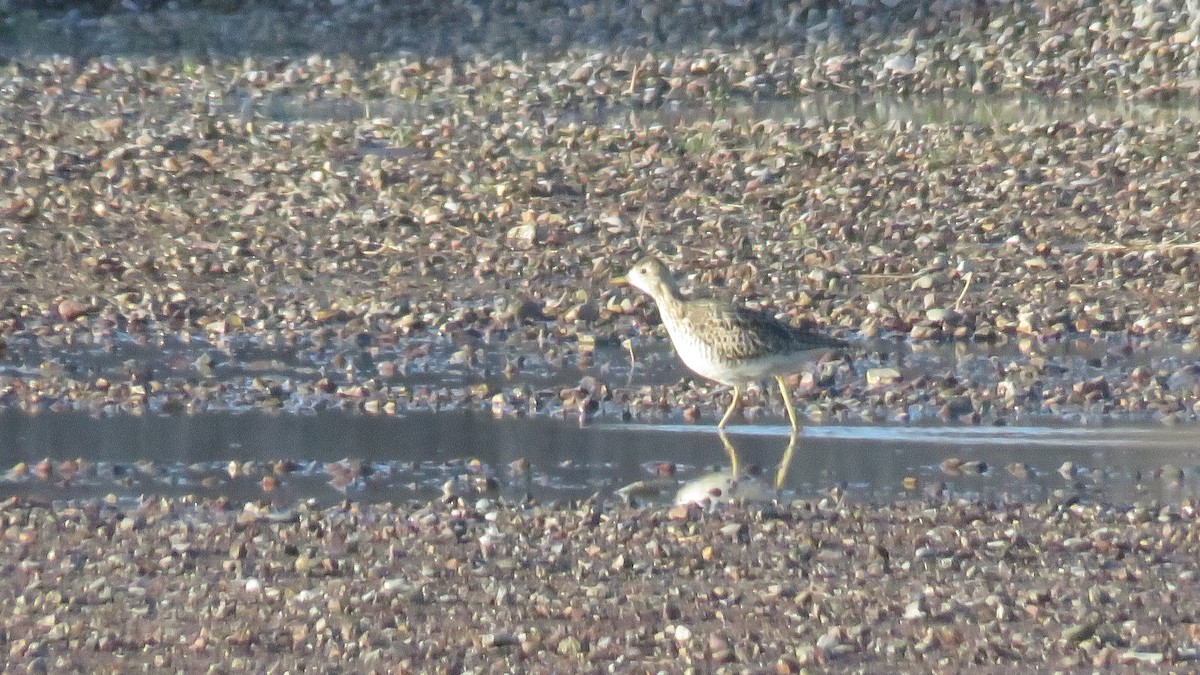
x=733, y=405
x=628, y=344
x=731, y=451
x=785, y=462
x=787, y=403
x=968, y=278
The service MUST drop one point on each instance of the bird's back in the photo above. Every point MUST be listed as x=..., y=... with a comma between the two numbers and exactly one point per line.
x=726, y=342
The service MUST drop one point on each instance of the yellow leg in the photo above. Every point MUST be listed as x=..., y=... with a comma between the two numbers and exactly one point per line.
x=731, y=451
x=785, y=462
x=787, y=403
x=733, y=405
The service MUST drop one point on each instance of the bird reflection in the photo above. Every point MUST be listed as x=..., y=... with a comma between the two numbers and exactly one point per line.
x=785, y=461
x=732, y=485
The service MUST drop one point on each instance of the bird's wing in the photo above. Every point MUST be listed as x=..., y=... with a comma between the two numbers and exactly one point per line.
x=743, y=333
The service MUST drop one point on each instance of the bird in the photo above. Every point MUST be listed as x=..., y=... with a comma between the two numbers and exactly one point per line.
x=728, y=343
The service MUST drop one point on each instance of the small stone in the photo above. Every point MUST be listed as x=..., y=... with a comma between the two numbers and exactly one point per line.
x=974, y=467
x=1078, y=633
x=569, y=646
x=682, y=511
x=923, y=282
x=924, y=331
x=523, y=236
x=913, y=610
x=1019, y=470
x=958, y=406
x=902, y=64
x=1171, y=474
x=952, y=466
x=827, y=642
x=491, y=640
x=882, y=376
x=70, y=310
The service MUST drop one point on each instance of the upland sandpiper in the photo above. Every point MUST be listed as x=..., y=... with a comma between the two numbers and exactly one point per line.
x=728, y=343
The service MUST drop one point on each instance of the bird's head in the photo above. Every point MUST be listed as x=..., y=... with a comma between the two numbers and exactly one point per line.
x=652, y=277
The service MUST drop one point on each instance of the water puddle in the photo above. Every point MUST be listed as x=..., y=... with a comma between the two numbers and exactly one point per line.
x=333, y=456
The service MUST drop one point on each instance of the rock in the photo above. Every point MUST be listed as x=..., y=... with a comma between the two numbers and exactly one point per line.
x=900, y=64
x=70, y=310
x=882, y=376
x=924, y=331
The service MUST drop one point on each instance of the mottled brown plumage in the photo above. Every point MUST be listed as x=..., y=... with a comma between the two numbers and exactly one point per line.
x=728, y=343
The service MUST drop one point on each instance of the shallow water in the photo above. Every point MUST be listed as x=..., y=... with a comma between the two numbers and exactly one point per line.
x=413, y=456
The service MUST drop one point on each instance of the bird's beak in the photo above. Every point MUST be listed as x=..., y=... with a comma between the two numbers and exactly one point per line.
x=620, y=281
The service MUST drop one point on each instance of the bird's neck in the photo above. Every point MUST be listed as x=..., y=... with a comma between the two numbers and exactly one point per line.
x=669, y=300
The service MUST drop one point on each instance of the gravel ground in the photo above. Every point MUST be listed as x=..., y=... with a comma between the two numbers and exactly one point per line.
x=492, y=587
x=348, y=229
